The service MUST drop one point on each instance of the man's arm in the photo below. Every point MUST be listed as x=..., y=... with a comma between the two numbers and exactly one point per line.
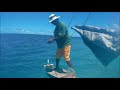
x=60, y=36
x=53, y=39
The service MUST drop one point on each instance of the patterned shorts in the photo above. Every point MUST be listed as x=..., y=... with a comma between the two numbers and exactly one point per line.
x=64, y=51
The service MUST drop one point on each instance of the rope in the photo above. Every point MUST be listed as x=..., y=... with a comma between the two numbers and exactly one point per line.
x=70, y=22
x=87, y=19
x=84, y=22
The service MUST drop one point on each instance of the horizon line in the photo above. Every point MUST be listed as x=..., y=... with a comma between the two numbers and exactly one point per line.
x=31, y=34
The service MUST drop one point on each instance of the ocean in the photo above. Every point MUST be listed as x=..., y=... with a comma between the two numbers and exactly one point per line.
x=23, y=56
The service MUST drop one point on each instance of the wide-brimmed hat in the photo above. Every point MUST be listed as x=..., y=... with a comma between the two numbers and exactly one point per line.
x=53, y=17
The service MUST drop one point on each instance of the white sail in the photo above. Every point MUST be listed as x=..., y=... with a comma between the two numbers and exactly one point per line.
x=104, y=43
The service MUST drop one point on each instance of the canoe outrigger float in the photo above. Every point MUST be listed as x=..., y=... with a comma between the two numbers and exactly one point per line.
x=61, y=73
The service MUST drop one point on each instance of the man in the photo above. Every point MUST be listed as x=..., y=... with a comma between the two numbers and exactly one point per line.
x=62, y=39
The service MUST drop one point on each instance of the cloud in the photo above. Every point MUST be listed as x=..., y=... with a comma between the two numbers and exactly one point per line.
x=113, y=28
x=29, y=31
x=116, y=26
x=26, y=31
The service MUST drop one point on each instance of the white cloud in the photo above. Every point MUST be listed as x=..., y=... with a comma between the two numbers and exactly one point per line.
x=23, y=30
x=27, y=31
x=116, y=26
x=113, y=28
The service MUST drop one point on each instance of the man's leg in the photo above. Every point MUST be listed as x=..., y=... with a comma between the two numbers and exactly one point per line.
x=69, y=64
x=67, y=58
x=59, y=54
x=57, y=63
x=67, y=55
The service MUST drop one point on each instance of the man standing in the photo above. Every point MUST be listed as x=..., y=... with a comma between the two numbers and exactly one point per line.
x=62, y=39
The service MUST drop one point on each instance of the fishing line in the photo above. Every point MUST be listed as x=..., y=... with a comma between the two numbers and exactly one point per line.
x=84, y=22
x=87, y=19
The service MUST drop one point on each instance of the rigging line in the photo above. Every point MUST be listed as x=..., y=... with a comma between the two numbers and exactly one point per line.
x=87, y=19
x=70, y=22
x=84, y=22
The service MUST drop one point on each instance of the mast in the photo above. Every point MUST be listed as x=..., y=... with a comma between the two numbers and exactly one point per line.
x=119, y=56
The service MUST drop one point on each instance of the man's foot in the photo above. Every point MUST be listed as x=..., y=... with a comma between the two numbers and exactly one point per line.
x=60, y=70
x=71, y=70
x=70, y=73
x=56, y=69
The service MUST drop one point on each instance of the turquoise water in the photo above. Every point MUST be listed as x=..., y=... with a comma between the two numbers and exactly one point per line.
x=23, y=56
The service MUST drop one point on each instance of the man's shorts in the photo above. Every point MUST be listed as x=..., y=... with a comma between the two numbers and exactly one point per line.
x=64, y=51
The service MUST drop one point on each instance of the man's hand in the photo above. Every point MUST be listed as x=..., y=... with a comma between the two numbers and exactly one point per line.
x=50, y=40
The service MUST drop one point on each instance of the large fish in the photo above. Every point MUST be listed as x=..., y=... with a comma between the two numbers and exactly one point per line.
x=104, y=43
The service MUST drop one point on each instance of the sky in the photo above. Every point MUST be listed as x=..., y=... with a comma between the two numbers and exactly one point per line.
x=38, y=22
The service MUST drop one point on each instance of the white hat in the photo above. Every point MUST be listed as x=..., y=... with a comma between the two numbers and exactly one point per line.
x=53, y=17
